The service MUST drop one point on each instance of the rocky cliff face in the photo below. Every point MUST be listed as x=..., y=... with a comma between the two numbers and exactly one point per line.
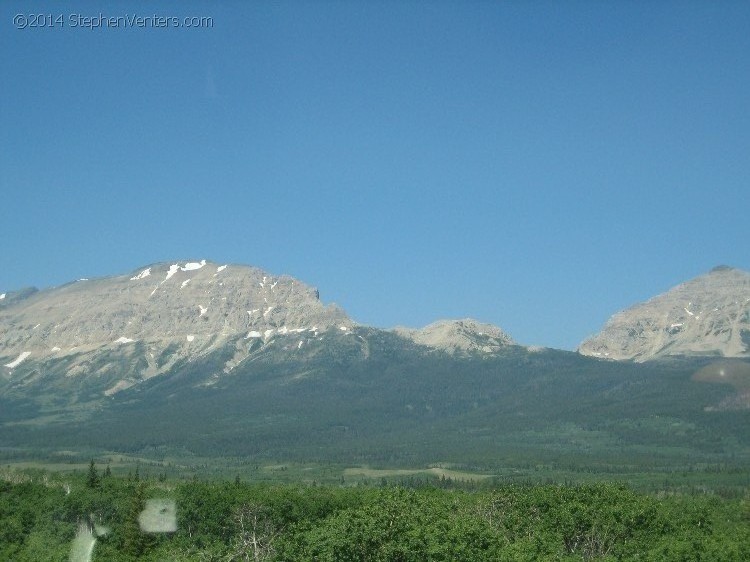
x=708, y=315
x=458, y=336
x=158, y=315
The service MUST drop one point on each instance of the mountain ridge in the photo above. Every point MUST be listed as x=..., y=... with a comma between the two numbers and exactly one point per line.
x=159, y=316
x=201, y=304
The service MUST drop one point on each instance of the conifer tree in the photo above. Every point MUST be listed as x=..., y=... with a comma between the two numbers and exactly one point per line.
x=133, y=539
x=92, y=480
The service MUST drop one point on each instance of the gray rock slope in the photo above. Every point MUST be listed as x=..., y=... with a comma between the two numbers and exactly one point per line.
x=454, y=336
x=185, y=308
x=708, y=315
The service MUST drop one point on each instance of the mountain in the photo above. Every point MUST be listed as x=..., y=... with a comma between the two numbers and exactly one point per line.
x=454, y=336
x=154, y=318
x=183, y=360
x=706, y=316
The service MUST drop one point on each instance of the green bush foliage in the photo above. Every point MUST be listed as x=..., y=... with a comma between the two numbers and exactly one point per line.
x=40, y=514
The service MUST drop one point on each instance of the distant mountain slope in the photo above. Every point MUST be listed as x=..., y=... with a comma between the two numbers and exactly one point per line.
x=372, y=397
x=708, y=315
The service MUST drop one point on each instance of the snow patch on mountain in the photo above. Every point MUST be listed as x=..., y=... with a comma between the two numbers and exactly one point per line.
x=142, y=275
x=174, y=268
x=18, y=361
x=193, y=266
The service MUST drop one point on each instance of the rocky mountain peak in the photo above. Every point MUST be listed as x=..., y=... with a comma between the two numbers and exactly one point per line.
x=458, y=336
x=708, y=315
x=187, y=307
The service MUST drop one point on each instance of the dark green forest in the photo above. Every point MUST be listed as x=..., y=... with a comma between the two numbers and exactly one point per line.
x=41, y=514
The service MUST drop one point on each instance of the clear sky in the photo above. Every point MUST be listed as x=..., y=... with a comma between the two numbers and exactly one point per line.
x=536, y=165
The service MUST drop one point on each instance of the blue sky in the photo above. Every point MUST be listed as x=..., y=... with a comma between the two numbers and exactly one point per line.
x=537, y=165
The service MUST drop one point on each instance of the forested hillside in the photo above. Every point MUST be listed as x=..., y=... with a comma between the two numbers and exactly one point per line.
x=373, y=398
